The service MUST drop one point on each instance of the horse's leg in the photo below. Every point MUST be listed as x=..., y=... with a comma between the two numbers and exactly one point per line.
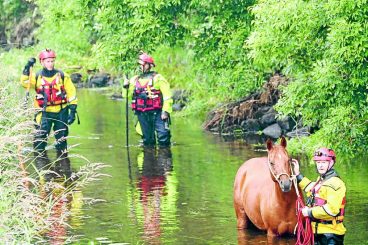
x=242, y=218
x=285, y=228
x=270, y=233
x=242, y=237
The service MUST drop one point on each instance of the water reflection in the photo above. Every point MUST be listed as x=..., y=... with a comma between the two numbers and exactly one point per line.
x=55, y=181
x=49, y=170
x=154, y=166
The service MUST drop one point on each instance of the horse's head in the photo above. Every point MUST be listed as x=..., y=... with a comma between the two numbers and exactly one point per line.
x=279, y=164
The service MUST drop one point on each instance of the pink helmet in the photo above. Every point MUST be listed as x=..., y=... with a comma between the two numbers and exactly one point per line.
x=47, y=53
x=324, y=154
x=146, y=58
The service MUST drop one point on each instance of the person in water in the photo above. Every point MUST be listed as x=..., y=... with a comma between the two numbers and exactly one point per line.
x=55, y=100
x=151, y=102
x=326, y=199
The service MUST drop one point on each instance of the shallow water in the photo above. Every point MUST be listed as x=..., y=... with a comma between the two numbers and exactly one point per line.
x=182, y=196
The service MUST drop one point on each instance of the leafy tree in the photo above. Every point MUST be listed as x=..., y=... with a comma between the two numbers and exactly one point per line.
x=125, y=27
x=322, y=47
x=216, y=32
x=11, y=12
x=62, y=29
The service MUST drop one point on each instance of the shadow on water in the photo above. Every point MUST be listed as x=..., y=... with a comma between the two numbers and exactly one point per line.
x=181, y=196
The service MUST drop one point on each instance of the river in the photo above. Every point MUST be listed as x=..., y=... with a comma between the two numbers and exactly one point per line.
x=177, y=196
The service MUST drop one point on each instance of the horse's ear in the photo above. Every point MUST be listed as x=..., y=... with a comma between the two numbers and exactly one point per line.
x=283, y=142
x=269, y=144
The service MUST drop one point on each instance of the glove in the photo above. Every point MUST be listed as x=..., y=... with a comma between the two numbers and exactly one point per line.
x=29, y=64
x=164, y=115
x=72, y=112
x=305, y=211
x=126, y=83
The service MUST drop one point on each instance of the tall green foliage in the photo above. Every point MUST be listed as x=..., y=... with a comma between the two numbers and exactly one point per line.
x=63, y=29
x=322, y=46
x=123, y=28
x=216, y=32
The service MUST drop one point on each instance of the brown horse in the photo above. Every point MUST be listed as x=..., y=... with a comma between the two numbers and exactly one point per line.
x=263, y=193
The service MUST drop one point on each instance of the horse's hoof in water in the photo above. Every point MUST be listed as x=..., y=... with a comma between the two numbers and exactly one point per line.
x=271, y=234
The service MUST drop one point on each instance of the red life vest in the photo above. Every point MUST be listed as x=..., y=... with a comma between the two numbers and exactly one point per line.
x=53, y=93
x=318, y=201
x=146, y=98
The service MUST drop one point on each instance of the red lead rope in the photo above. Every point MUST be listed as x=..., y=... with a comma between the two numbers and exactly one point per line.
x=304, y=233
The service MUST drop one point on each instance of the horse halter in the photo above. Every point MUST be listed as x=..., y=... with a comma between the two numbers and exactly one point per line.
x=277, y=177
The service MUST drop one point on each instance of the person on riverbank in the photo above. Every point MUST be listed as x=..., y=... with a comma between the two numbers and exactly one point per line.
x=55, y=100
x=325, y=204
x=151, y=102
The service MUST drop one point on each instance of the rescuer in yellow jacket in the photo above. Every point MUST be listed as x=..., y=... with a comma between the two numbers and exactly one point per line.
x=325, y=199
x=151, y=102
x=55, y=98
